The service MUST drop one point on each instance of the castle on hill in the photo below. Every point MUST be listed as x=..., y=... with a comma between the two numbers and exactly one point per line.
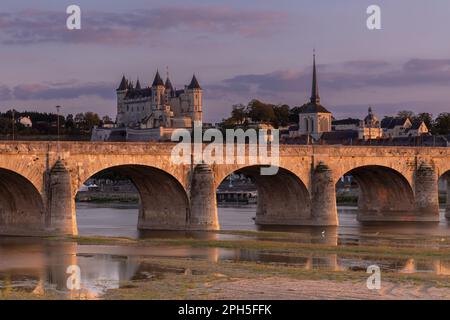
x=159, y=105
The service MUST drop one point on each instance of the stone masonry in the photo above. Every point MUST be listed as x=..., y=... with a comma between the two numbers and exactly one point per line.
x=39, y=182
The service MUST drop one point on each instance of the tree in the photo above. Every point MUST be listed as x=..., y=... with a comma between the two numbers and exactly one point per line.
x=70, y=123
x=293, y=115
x=239, y=113
x=427, y=118
x=79, y=121
x=281, y=115
x=442, y=123
x=261, y=112
x=91, y=119
x=406, y=114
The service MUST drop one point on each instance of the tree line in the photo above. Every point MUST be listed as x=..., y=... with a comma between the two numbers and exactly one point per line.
x=437, y=126
x=44, y=123
x=257, y=111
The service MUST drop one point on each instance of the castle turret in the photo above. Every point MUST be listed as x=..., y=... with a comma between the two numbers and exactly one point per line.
x=121, y=94
x=196, y=99
x=169, y=89
x=158, y=89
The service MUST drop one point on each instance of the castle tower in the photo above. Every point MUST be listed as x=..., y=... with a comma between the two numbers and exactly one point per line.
x=168, y=88
x=196, y=99
x=121, y=94
x=158, y=89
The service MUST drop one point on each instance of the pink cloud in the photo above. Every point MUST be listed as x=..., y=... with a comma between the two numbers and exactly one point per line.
x=136, y=27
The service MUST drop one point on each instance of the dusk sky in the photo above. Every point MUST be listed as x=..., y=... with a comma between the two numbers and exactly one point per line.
x=239, y=50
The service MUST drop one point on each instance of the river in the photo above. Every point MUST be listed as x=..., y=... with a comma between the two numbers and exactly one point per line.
x=39, y=265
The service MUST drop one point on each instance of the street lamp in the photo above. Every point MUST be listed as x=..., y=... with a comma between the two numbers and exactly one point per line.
x=57, y=124
x=13, y=123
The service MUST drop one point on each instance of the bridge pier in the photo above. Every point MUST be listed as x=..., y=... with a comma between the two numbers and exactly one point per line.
x=323, y=209
x=447, y=206
x=61, y=217
x=426, y=193
x=203, y=213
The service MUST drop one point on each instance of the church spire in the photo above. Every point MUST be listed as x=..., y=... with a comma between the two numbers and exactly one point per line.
x=315, y=87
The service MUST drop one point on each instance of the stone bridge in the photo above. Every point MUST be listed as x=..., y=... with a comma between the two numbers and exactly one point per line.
x=39, y=182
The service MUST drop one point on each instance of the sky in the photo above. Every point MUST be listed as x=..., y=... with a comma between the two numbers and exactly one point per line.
x=239, y=50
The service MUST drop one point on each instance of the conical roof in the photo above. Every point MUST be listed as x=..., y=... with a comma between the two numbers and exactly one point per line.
x=123, y=84
x=158, y=81
x=194, y=83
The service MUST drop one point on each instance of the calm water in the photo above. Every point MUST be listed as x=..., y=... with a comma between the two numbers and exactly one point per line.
x=122, y=220
x=37, y=265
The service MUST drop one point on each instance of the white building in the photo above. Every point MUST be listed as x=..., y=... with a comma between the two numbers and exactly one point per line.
x=370, y=128
x=25, y=121
x=160, y=105
x=396, y=127
x=314, y=119
x=152, y=113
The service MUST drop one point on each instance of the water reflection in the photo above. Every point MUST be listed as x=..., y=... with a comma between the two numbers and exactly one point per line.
x=122, y=221
x=39, y=267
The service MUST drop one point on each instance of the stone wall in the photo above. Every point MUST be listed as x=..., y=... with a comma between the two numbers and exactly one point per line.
x=394, y=180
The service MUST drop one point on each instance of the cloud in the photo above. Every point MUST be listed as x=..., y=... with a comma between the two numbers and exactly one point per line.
x=5, y=93
x=346, y=76
x=136, y=27
x=366, y=65
x=427, y=65
x=64, y=91
x=390, y=109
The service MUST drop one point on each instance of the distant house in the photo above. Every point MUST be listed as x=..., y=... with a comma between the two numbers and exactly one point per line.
x=371, y=127
x=396, y=127
x=108, y=123
x=25, y=121
x=417, y=128
x=366, y=129
x=345, y=124
x=293, y=131
x=344, y=137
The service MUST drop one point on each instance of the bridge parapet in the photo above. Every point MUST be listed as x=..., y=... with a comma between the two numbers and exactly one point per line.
x=389, y=175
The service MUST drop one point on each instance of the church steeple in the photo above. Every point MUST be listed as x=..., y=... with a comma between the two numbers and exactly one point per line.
x=315, y=86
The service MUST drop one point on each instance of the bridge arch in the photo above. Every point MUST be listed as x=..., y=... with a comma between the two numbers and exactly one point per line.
x=445, y=178
x=384, y=193
x=283, y=198
x=22, y=208
x=163, y=200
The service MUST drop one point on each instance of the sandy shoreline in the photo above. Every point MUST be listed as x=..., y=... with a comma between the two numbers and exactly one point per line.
x=280, y=288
